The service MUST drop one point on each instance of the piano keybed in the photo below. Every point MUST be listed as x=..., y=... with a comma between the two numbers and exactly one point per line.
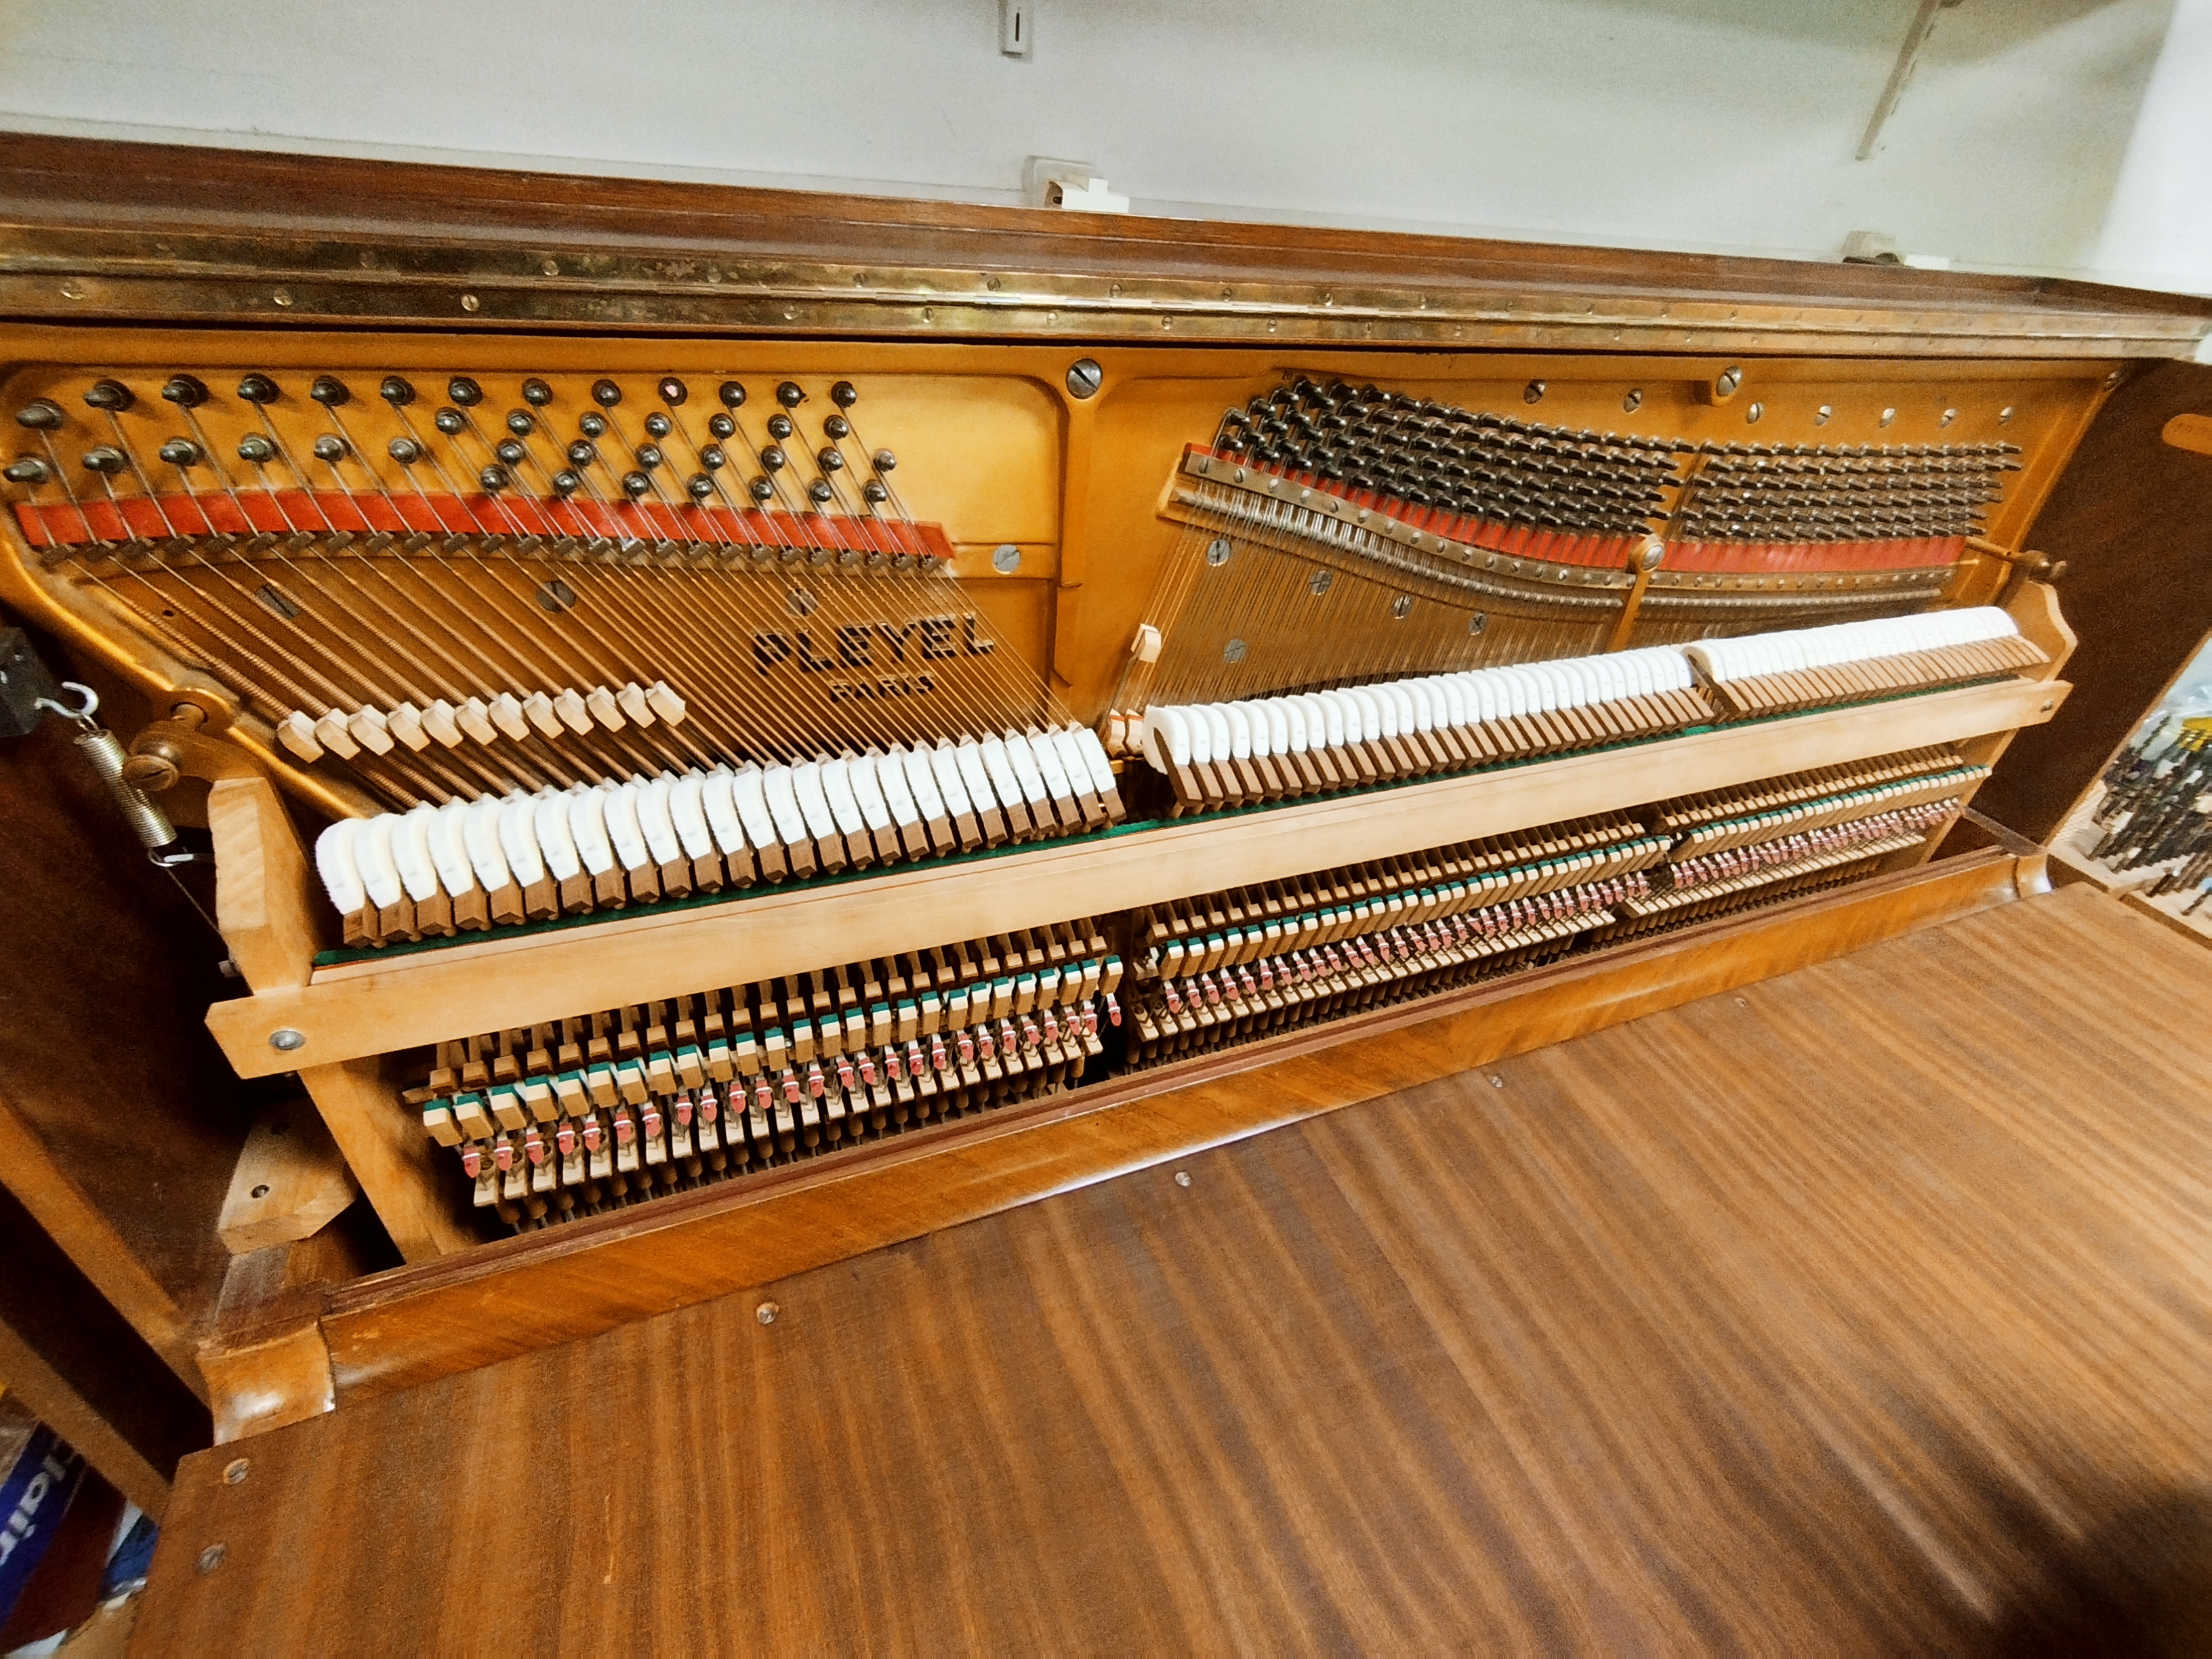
x=577, y=1115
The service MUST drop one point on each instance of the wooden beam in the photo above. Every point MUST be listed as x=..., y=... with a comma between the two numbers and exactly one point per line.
x=380, y=1007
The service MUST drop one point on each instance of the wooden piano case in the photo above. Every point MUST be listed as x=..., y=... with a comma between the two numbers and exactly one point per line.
x=1040, y=374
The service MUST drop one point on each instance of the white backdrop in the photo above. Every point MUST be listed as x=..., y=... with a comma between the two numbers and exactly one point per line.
x=2064, y=137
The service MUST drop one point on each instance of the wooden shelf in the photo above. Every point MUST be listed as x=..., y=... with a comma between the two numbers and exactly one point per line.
x=356, y=1009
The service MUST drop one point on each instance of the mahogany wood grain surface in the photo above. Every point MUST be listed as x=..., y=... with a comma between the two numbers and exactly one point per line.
x=2132, y=517
x=1865, y=1308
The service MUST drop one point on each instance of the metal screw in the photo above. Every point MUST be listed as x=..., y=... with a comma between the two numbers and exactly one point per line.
x=766, y=1313
x=1085, y=377
x=1753, y=414
x=1233, y=652
x=1730, y=378
x=72, y=291
x=1949, y=416
x=1822, y=414
x=261, y=1190
x=1182, y=1177
x=1496, y=1081
x=1218, y=551
x=234, y=1471
x=286, y=1040
x=1633, y=401
x=1888, y=415
x=1743, y=1002
x=1533, y=392
x=282, y=296
x=991, y=283
x=1006, y=558
x=211, y=1557
x=468, y=302
x=551, y=267
x=2005, y=414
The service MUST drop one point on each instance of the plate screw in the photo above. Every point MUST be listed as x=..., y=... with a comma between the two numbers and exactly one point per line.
x=1730, y=379
x=261, y=1190
x=1006, y=558
x=282, y=296
x=286, y=1040
x=1085, y=377
x=211, y=1557
x=234, y=1471
x=468, y=302
x=1632, y=402
x=551, y=267
x=1533, y=392
x=1496, y=1081
x=1182, y=1177
x=766, y=1313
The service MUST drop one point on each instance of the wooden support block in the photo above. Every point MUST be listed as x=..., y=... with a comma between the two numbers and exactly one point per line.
x=291, y=1180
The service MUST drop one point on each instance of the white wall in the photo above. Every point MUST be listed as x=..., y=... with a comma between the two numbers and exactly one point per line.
x=2026, y=141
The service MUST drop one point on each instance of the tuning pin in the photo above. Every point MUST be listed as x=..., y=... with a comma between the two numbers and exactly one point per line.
x=885, y=461
x=732, y=395
x=184, y=391
x=464, y=392
x=773, y=459
x=721, y=427
x=820, y=493
x=593, y=426
x=830, y=459
x=329, y=392
x=40, y=414
x=329, y=448
x=255, y=449
x=788, y=394
x=635, y=484
x=672, y=392
x=761, y=490
x=712, y=458
x=658, y=425
x=535, y=392
x=875, y=491
x=396, y=391
x=842, y=394
x=29, y=470
x=837, y=427
x=510, y=453
x=111, y=395
x=779, y=428
x=258, y=389
x=405, y=451
x=494, y=479
x=566, y=482
x=699, y=487
x=649, y=457
x=180, y=451
x=605, y=393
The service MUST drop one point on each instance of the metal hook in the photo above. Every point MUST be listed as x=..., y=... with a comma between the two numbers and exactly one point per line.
x=81, y=716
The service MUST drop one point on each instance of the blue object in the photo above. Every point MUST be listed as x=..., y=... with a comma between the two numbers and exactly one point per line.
x=33, y=1500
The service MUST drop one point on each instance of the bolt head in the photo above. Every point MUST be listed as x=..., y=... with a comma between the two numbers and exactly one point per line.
x=286, y=1040
x=1085, y=377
